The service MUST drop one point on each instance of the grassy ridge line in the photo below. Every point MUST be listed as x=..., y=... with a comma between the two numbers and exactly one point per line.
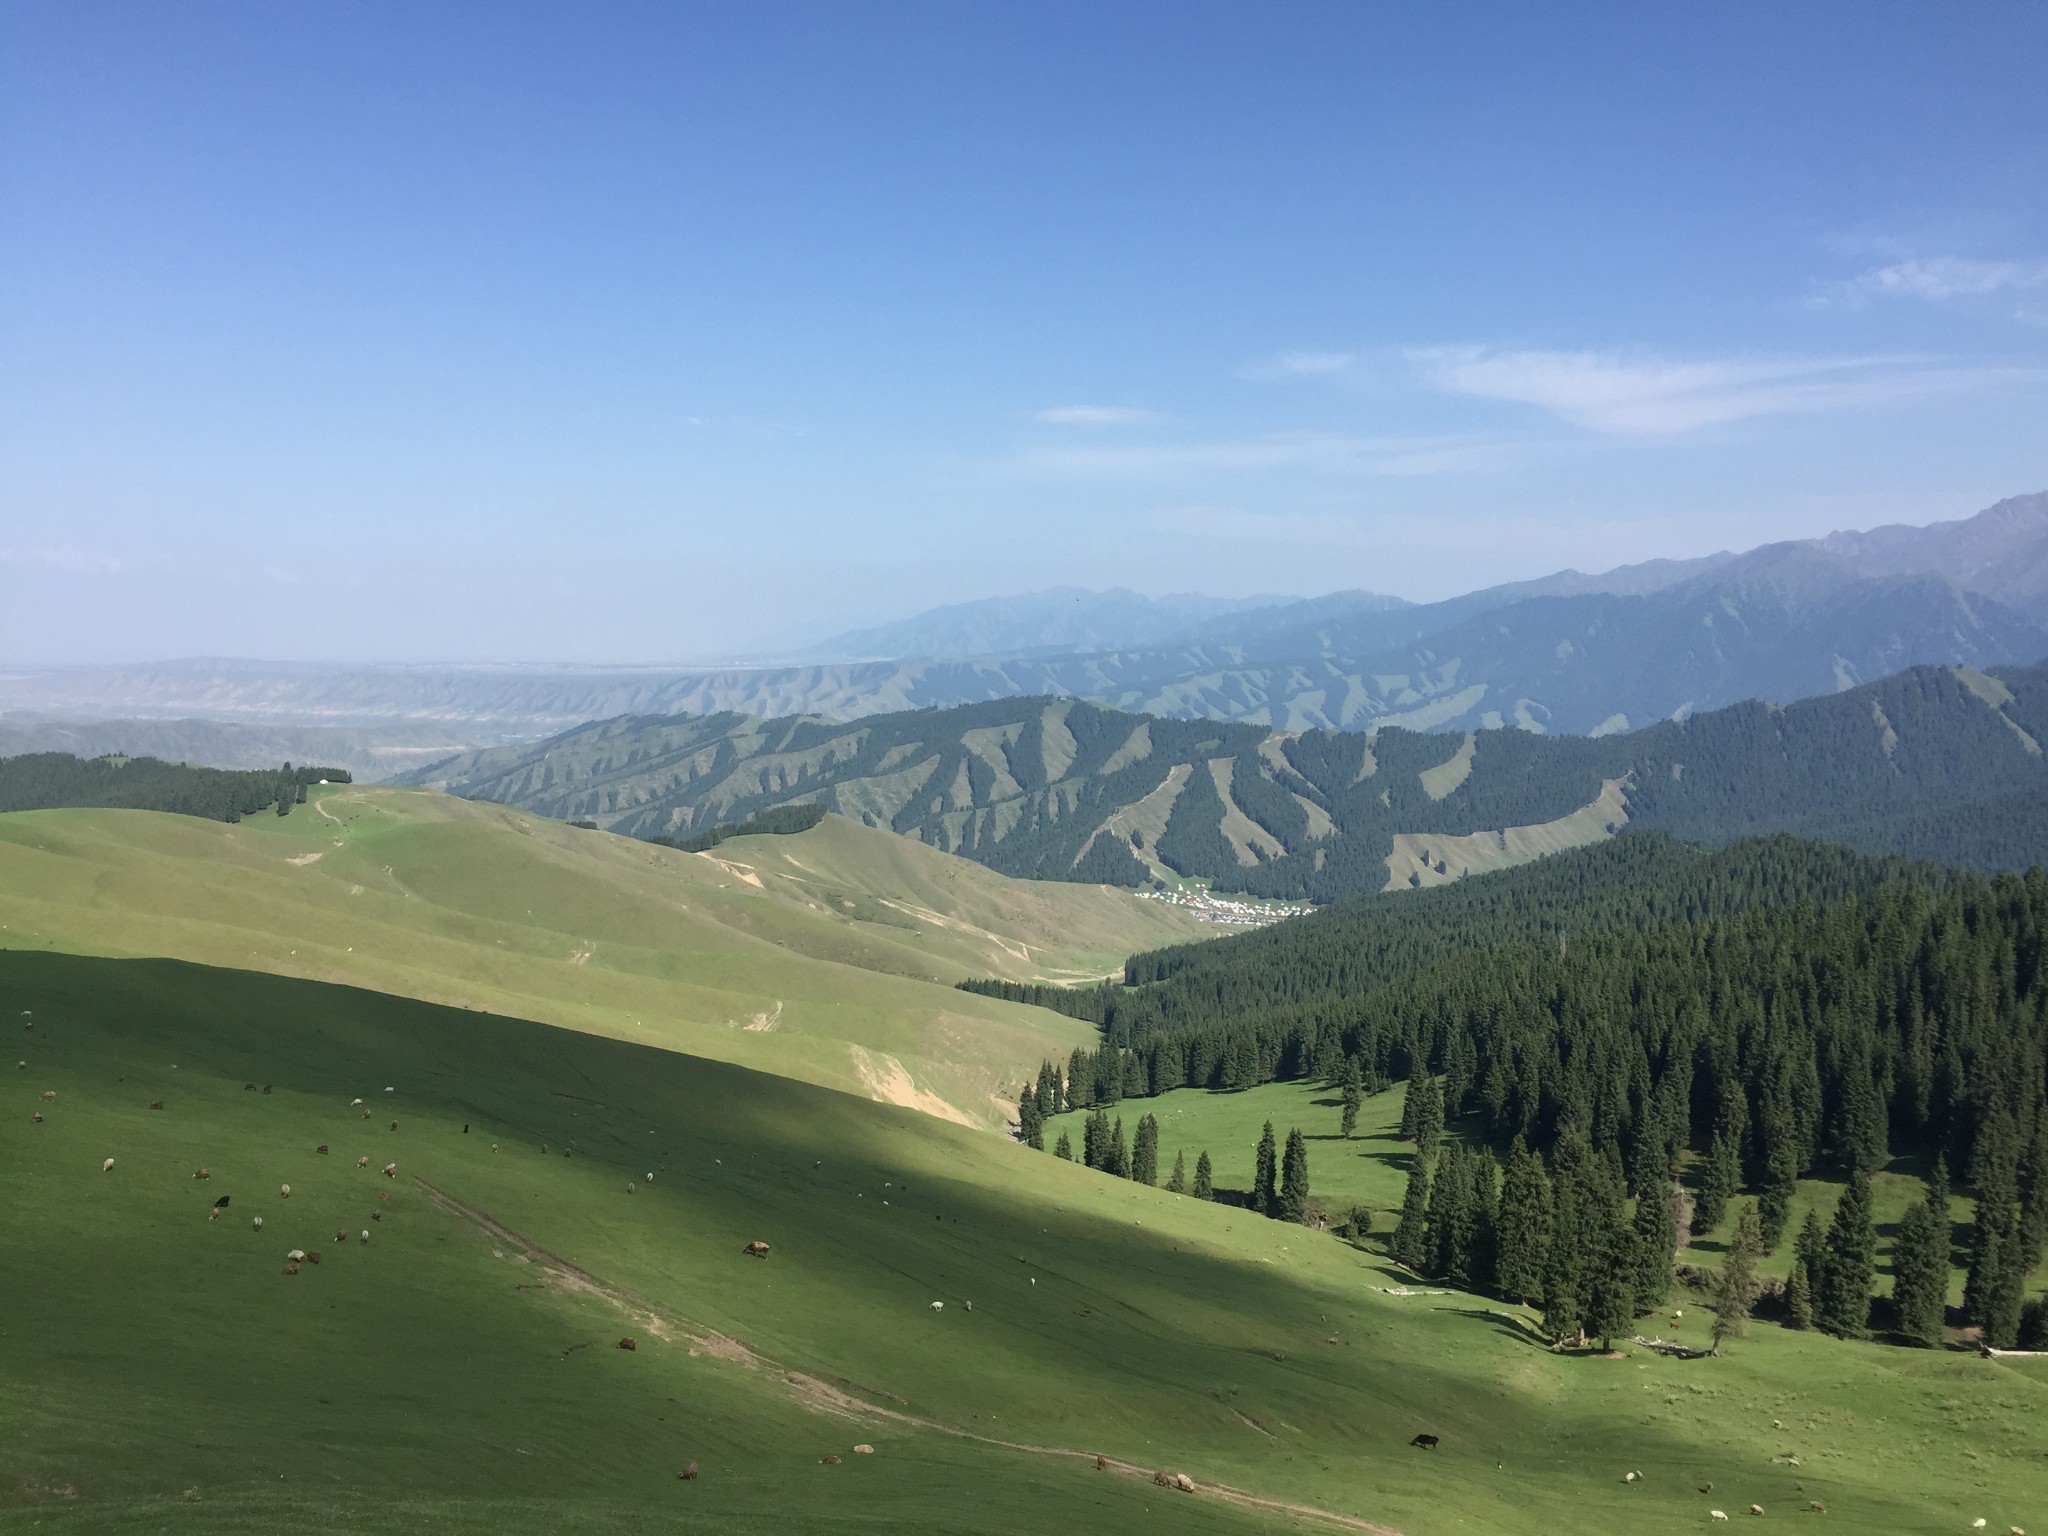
x=403, y=1379
x=475, y=905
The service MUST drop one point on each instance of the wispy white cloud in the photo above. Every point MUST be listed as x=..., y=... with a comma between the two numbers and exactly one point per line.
x=1936, y=279
x=1642, y=395
x=1302, y=365
x=1098, y=416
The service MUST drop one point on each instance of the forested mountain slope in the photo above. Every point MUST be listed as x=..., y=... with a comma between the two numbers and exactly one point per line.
x=1935, y=763
x=45, y=780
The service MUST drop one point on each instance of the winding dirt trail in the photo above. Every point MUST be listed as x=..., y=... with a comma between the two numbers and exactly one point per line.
x=822, y=1396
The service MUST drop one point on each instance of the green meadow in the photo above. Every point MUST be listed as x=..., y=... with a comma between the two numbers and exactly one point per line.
x=460, y=1370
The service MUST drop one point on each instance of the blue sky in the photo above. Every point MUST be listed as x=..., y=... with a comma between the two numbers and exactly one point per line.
x=668, y=331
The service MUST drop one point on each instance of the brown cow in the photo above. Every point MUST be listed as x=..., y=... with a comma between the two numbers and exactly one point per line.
x=756, y=1250
x=628, y=1344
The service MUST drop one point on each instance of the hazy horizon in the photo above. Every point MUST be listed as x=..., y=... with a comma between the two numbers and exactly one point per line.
x=653, y=334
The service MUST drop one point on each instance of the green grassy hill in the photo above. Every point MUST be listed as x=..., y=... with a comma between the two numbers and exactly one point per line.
x=460, y=1370
x=827, y=956
x=1936, y=763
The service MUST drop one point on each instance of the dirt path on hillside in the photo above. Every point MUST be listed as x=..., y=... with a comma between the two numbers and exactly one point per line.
x=821, y=1396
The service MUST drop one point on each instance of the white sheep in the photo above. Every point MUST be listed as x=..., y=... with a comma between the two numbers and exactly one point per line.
x=938, y=1306
x=284, y=1191
x=650, y=1178
x=107, y=1166
x=366, y=1234
x=297, y=1255
x=355, y=1103
x=258, y=1224
x=1718, y=1514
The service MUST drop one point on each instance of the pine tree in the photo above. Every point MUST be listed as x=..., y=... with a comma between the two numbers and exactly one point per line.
x=1564, y=1318
x=1799, y=1296
x=1522, y=1230
x=1293, y=1202
x=1205, y=1183
x=1736, y=1286
x=1481, y=1265
x=1656, y=1246
x=1997, y=1281
x=1354, y=1095
x=1145, y=1151
x=1842, y=1299
x=1030, y=1120
x=1118, y=1156
x=1610, y=1297
x=1781, y=1174
x=1411, y=1237
x=1265, y=1177
x=1065, y=1147
x=1429, y=1116
x=1920, y=1255
x=1177, y=1181
x=1720, y=1177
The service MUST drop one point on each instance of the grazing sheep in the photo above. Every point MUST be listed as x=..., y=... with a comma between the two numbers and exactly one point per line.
x=341, y=1237
x=107, y=1166
x=202, y=1173
x=863, y=1450
x=156, y=1103
x=36, y=1118
x=391, y=1090
x=257, y=1224
x=366, y=1114
x=355, y=1103
x=756, y=1249
x=1162, y=1479
x=376, y=1215
x=938, y=1306
x=321, y=1149
x=1102, y=1463
x=248, y=1087
x=628, y=1343
x=313, y=1257
x=296, y=1255
x=494, y=1148
x=394, y=1125
x=222, y=1203
x=1816, y=1506
x=650, y=1178
x=1717, y=1514
x=366, y=1234
x=362, y=1162
x=1183, y=1482
x=266, y=1087
x=391, y=1170
x=1706, y=1487
x=284, y=1191
x=1631, y=1477
x=631, y=1188
x=1756, y=1509
x=688, y=1474
x=49, y=1094
x=828, y=1461
x=291, y=1269
x=968, y=1305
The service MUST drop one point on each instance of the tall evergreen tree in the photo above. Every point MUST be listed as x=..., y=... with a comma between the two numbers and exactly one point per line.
x=1030, y=1118
x=1610, y=1291
x=1920, y=1257
x=1996, y=1287
x=1145, y=1151
x=1177, y=1181
x=1842, y=1299
x=1780, y=1172
x=1656, y=1246
x=1522, y=1230
x=1354, y=1095
x=1481, y=1265
x=1720, y=1177
x=1564, y=1315
x=1293, y=1201
x=1118, y=1153
x=1411, y=1237
x=1429, y=1115
x=1736, y=1286
x=1799, y=1296
x=1205, y=1181
x=1064, y=1148
x=1449, y=1240
x=1266, y=1173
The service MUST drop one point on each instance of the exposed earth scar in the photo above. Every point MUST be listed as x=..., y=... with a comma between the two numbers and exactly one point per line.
x=821, y=1396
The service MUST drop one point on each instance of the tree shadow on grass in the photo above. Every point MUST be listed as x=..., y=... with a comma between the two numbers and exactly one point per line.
x=1514, y=1327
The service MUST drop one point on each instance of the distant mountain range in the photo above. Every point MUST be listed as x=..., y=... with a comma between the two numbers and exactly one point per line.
x=1568, y=653
x=1942, y=763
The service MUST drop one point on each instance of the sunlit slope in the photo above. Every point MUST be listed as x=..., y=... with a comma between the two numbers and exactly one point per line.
x=416, y=893
x=454, y=1374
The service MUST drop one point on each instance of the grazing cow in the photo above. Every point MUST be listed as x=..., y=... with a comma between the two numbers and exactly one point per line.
x=756, y=1249
x=156, y=1103
x=689, y=1473
x=202, y=1173
x=222, y=1203
x=107, y=1166
x=628, y=1344
x=321, y=1149
x=1426, y=1442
